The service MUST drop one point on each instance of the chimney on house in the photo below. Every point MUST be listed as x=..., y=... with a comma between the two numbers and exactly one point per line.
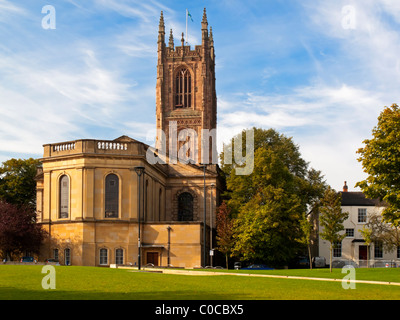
x=345, y=188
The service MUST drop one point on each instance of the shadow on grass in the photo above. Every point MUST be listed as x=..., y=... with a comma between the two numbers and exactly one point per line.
x=8, y=293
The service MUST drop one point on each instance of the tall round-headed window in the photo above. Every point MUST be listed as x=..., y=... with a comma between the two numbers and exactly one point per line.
x=64, y=197
x=112, y=196
x=183, y=89
x=185, y=207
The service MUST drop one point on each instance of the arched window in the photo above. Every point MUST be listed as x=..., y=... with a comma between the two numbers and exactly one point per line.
x=67, y=257
x=103, y=256
x=159, y=204
x=112, y=196
x=185, y=207
x=183, y=89
x=119, y=256
x=64, y=197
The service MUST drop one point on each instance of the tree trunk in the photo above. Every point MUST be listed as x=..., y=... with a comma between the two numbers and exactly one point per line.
x=330, y=257
x=226, y=257
x=309, y=256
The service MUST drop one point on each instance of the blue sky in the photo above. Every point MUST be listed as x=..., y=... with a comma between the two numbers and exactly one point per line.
x=310, y=69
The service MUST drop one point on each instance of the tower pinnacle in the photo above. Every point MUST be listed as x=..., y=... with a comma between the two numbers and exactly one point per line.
x=171, y=40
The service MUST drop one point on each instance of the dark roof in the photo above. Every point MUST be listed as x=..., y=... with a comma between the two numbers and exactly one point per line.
x=354, y=198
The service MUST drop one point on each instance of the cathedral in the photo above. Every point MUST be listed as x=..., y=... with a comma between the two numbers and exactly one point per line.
x=122, y=202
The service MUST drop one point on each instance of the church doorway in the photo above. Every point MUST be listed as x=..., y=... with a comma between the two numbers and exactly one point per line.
x=152, y=257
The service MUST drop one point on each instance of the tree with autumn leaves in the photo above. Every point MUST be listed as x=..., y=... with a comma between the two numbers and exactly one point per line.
x=19, y=232
x=224, y=231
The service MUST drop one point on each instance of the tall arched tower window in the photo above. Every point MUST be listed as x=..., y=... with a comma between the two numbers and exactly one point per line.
x=64, y=196
x=112, y=196
x=185, y=207
x=183, y=89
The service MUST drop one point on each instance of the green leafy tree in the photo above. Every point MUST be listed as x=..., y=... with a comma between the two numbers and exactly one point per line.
x=380, y=158
x=306, y=226
x=332, y=219
x=268, y=203
x=17, y=181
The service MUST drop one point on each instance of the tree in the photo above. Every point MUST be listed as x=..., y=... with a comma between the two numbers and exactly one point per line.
x=267, y=228
x=378, y=231
x=306, y=226
x=224, y=231
x=268, y=203
x=367, y=234
x=17, y=181
x=19, y=232
x=380, y=159
x=331, y=219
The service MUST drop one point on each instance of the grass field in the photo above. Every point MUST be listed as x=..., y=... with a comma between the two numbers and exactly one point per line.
x=79, y=283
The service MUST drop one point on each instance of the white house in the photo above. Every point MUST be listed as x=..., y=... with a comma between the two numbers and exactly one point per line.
x=353, y=249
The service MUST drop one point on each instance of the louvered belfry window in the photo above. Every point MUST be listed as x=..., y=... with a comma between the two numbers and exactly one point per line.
x=183, y=89
x=112, y=196
x=64, y=197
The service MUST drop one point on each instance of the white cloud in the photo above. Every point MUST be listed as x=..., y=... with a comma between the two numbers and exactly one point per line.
x=328, y=123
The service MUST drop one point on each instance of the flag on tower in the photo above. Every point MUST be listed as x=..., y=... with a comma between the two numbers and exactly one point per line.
x=189, y=15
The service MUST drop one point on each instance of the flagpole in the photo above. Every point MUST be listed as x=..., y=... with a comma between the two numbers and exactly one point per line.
x=186, y=27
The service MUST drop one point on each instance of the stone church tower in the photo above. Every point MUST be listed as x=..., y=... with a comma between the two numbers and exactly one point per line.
x=185, y=94
x=98, y=210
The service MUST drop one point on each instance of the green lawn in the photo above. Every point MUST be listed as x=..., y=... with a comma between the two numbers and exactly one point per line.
x=24, y=282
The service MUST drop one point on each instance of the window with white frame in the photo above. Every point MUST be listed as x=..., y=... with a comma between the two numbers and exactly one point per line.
x=378, y=250
x=362, y=215
x=350, y=232
x=337, y=249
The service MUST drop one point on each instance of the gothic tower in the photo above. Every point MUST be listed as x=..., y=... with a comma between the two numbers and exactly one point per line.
x=185, y=95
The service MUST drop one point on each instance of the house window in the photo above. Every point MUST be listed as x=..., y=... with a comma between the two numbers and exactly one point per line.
x=350, y=232
x=378, y=250
x=337, y=249
x=112, y=196
x=67, y=257
x=103, y=256
x=398, y=252
x=362, y=215
x=183, y=89
x=119, y=256
x=64, y=197
x=185, y=207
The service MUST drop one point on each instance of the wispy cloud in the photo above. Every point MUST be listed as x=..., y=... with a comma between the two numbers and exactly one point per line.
x=291, y=67
x=8, y=10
